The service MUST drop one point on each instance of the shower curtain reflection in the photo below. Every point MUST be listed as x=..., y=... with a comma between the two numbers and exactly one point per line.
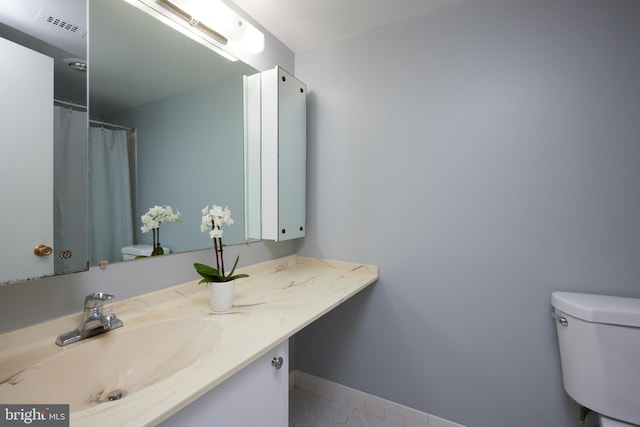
x=110, y=206
x=70, y=188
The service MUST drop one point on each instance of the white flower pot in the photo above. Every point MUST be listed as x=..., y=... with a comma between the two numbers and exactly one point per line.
x=221, y=298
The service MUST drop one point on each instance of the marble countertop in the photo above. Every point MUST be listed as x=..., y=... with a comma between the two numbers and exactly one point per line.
x=280, y=297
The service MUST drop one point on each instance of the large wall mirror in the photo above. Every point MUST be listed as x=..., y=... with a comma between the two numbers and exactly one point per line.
x=164, y=127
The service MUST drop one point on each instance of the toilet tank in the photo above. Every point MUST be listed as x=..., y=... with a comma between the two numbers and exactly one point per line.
x=133, y=251
x=600, y=352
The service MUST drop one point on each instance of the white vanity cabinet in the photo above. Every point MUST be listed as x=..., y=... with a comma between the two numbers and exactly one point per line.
x=258, y=395
x=284, y=155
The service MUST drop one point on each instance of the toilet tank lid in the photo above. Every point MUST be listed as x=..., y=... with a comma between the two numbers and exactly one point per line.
x=598, y=308
x=141, y=250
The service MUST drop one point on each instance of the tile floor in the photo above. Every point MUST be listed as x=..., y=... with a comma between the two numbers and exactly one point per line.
x=310, y=410
x=316, y=402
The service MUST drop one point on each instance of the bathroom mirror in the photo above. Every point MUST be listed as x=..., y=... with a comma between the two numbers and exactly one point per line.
x=182, y=106
x=44, y=174
x=185, y=104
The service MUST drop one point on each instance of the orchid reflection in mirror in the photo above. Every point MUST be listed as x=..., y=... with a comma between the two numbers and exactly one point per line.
x=212, y=220
x=151, y=222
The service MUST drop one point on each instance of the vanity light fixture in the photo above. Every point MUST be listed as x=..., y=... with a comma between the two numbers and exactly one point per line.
x=220, y=22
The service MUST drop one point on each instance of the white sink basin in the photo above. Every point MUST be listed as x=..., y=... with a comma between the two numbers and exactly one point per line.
x=113, y=365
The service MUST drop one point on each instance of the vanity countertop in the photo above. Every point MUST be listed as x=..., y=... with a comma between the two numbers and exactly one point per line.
x=280, y=297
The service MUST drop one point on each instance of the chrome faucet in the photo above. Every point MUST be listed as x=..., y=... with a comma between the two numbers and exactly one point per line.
x=94, y=322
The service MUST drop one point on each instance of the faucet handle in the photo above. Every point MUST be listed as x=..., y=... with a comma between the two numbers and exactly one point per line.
x=95, y=299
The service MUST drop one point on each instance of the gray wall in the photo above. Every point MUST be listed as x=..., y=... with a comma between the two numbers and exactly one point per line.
x=483, y=155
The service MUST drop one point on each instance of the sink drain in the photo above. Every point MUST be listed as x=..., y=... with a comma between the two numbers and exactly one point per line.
x=116, y=395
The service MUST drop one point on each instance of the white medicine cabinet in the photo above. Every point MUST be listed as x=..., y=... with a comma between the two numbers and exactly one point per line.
x=276, y=104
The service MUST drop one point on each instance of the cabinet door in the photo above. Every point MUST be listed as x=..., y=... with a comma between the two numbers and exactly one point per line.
x=292, y=156
x=26, y=135
x=258, y=395
x=284, y=155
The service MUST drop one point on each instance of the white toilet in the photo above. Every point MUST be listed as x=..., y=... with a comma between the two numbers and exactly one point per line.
x=599, y=340
x=132, y=251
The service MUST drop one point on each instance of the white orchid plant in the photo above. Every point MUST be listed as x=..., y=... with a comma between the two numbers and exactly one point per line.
x=151, y=222
x=212, y=220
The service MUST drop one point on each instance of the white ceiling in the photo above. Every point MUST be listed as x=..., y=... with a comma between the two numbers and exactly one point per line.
x=305, y=24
